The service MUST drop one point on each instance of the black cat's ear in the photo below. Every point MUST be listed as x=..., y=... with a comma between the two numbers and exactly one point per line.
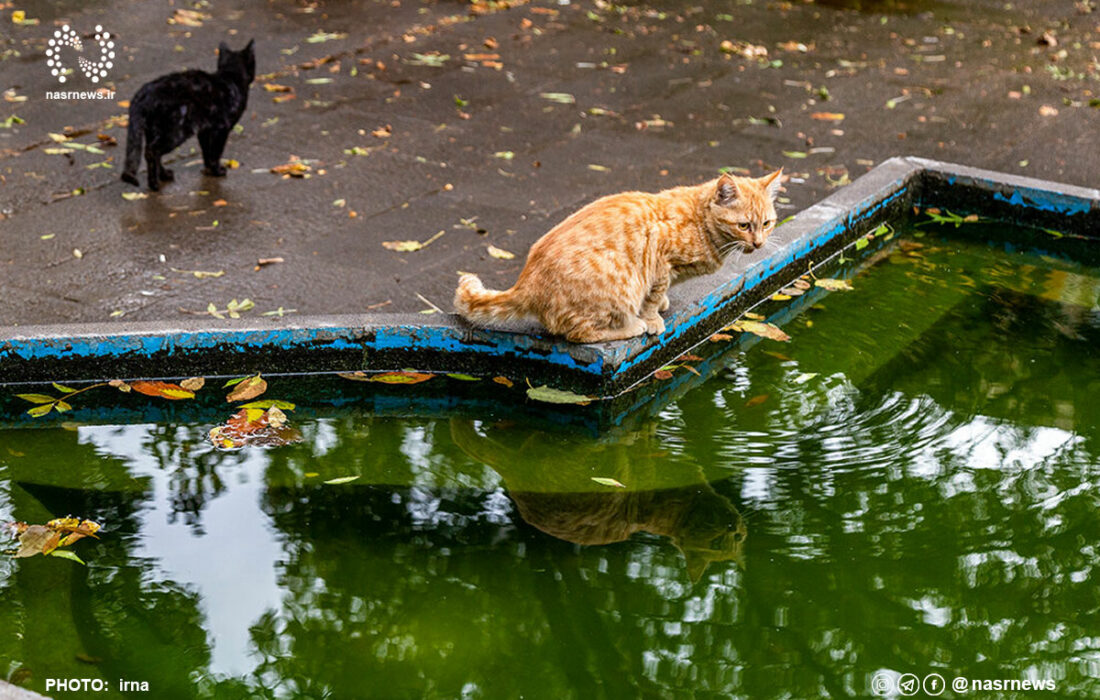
x=248, y=49
x=725, y=193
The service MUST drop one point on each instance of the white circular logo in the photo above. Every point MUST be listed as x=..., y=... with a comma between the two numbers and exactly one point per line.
x=92, y=70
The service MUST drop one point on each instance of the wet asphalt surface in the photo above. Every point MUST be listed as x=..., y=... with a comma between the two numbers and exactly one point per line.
x=490, y=124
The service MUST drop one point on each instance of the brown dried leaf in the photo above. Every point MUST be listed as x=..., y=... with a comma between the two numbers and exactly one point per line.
x=248, y=389
x=164, y=390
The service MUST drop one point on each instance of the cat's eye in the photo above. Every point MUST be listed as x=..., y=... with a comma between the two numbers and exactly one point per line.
x=744, y=225
x=769, y=223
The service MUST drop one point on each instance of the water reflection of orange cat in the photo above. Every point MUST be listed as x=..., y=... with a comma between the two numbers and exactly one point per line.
x=549, y=477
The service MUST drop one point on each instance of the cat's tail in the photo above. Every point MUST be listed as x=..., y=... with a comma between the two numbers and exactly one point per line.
x=480, y=305
x=134, y=134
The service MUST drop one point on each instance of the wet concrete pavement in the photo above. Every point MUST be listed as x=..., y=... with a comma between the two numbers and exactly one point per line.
x=490, y=125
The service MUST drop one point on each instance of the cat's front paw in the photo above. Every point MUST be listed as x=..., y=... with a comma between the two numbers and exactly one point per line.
x=655, y=325
x=216, y=171
x=662, y=305
x=167, y=175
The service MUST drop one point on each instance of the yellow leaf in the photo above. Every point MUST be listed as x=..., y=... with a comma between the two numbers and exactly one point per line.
x=834, y=285
x=764, y=330
x=500, y=253
x=828, y=116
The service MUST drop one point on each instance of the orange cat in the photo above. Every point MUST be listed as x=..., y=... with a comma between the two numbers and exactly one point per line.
x=603, y=273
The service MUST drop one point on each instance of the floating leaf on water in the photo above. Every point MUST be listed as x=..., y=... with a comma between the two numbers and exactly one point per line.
x=164, y=390
x=500, y=253
x=504, y=381
x=756, y=400
x=275, y=417
x=608, y=481
x=269, y=403
x=36, y=398
x=248, y=388
x=66, y=554
x=804, y=377
x=39, y=411
x=764, y=330
x=340, y=480
x=193, y=384
x=549, y=395
x=834, y=285
x=400, y=377
x=463, y=377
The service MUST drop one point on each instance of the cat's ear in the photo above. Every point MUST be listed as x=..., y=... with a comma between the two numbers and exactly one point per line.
x=772, y=182
x=223, y=48
x=725, y=193
x=248, y=48
x=696, y=564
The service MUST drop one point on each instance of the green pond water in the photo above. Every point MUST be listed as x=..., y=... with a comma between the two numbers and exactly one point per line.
x=911, y=485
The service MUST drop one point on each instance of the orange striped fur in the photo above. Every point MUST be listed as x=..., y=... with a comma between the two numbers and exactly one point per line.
x=603, y=273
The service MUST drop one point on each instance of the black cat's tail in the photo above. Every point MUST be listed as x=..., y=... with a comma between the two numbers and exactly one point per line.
x=133, y=149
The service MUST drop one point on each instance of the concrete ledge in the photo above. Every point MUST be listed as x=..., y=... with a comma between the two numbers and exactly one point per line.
x=446, y=344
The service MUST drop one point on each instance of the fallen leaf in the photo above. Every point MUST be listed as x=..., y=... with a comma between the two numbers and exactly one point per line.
x=834, y=285
x=340, y=480
x=500, y=253
x=828, y=116
x=804, y=377
x=409, y=246
x=504, y=381
x=560, y=97
x=719, y=337
x=275, y=87
x=608, y=481
x=400, y=377
x=764, y=330
x=249, y=388
x=164, y=390
x=193, y=384
x=549, y=395
x=188, y=18
x=463, y=377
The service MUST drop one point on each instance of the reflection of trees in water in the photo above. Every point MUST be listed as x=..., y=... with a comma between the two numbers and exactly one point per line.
x=115, y=610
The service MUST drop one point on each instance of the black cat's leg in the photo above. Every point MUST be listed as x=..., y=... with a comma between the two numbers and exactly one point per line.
x=166, y=175
x=152, y=164
x=212, y=142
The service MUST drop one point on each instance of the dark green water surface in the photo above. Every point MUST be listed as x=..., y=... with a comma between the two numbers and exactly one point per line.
x=912, y=484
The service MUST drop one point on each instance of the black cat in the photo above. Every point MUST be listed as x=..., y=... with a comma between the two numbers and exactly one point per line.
x=166, y=111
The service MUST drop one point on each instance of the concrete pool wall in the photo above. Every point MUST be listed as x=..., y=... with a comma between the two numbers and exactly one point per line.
x=443, y=343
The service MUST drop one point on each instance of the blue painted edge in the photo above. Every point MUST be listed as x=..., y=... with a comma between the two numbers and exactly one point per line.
x=696, y=303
